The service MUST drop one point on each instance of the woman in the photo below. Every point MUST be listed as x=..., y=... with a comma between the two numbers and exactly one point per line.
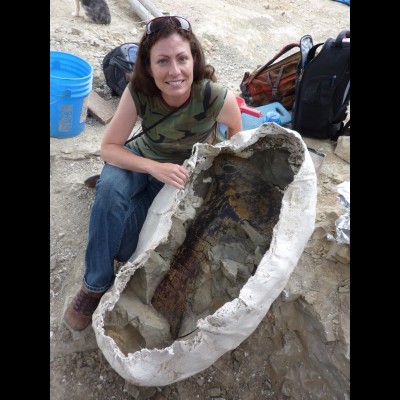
x=170, y=75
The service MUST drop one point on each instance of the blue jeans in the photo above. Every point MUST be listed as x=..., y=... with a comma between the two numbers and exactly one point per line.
x=120, y=206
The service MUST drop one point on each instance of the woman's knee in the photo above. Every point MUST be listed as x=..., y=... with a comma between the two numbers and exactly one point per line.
x=113, y=180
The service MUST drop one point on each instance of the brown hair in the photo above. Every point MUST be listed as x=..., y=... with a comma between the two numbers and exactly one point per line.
x=141, y=79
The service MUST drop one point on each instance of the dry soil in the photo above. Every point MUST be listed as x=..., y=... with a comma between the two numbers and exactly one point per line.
x=237, y=35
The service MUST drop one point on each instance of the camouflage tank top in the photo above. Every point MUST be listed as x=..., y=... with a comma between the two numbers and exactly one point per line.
x=173, y=139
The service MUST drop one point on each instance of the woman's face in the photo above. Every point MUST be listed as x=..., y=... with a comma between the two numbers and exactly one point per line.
x=171, y=65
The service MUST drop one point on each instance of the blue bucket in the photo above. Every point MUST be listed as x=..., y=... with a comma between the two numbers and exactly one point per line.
x=70, y=85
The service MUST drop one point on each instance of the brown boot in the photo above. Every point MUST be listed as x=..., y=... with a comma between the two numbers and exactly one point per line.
x=91, y=181
x=79, y=312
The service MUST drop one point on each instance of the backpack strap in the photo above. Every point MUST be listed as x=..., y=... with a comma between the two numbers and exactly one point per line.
x=313, y=50
x=306, y=43
x=284, y=50
x=121, y=62
x=274, y=85
x=92, y=180
x=342, y=131
x=144, y=129
x=342, y=35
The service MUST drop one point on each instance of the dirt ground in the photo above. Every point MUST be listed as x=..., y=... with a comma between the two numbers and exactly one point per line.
x=237, y=35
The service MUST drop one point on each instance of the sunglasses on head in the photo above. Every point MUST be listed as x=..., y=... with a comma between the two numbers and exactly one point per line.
x=159, y=23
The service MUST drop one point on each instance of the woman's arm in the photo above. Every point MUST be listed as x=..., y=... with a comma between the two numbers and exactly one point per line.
x=112, y=148
x=114, y=152
x=230, y=115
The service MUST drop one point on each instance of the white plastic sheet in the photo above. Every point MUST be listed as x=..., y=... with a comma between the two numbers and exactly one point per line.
x=343, y=222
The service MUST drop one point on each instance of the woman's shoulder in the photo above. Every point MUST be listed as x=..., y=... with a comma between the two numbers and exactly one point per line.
x=208, y=82
x=145, y=102
x=208, y=96
x=207, y=86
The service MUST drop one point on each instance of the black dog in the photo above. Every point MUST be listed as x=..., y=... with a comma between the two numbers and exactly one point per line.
x=96, y=11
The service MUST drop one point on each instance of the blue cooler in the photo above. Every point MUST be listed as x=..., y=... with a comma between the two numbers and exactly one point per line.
x=250, y=122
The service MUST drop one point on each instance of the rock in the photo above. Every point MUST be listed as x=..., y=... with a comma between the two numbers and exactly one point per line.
x=342, y=149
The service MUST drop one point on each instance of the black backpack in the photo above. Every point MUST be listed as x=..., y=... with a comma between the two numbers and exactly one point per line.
x=117, y=64
x=323, y=89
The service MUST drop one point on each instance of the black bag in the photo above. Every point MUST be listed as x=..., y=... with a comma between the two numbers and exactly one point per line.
x=117, y=66
x=323, y=89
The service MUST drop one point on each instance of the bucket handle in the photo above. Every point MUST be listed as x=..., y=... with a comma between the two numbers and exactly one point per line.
x=66, y=94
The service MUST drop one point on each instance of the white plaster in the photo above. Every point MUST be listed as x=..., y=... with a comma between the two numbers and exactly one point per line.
x=235, y=320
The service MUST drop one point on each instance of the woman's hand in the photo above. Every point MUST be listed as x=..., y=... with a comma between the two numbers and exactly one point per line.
x=172, y=174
